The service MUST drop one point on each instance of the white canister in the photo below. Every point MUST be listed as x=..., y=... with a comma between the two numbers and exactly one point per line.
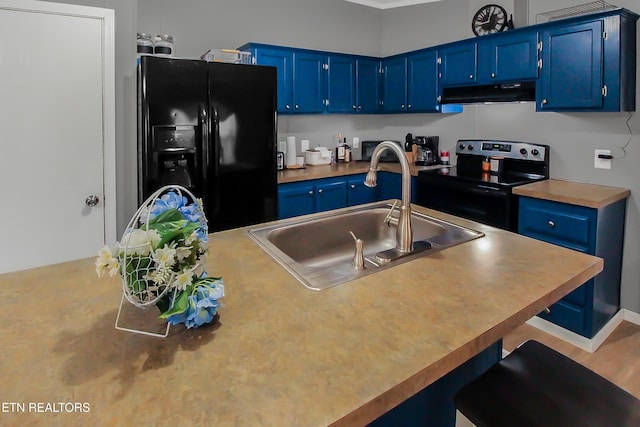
x=291, y=151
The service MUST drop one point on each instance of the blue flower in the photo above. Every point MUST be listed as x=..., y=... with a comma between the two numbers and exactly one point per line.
x=202, y=305
x=170, y=200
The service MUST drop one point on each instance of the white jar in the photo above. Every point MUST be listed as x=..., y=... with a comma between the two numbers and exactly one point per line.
x=145, y=44
x=164, y=46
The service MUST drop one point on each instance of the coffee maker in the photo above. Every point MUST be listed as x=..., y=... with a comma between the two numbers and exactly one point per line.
x=428, y=152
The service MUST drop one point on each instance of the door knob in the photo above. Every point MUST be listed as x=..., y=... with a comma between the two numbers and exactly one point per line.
x=92, y=200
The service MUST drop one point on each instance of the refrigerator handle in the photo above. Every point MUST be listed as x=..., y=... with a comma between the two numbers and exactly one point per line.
x=214, y=157
x=204, y=143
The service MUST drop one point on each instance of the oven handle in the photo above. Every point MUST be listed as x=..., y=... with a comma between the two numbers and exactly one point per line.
x=485, y=190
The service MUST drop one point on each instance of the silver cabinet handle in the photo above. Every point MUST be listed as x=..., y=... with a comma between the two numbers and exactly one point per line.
x=359, y=107
x=92, y=200
x=288, y=107
x=471, y=76
x=409, y=106
x=354, y=107
x=353, y=186
x=551, y=224
x=402, y=106
x=544, y=102
x=311, y=192
x=547, y=310
x=320, y=191
x=297, y=106
x=493, y=75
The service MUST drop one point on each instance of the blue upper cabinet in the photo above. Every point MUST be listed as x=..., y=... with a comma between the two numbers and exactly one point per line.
x=422, y=82
x=282, y=59
x=309, y=82
x=572, y=67
x=341, y=84
x=458, y=64
x=589, y=66
x=509, y=57
x=394, y=84
x=368, y=85
x=353, y=84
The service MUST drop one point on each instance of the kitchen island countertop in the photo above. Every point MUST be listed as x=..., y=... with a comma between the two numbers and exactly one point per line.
x=280, y=355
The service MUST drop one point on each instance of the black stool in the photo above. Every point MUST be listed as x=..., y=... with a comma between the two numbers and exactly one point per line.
x=537, y=386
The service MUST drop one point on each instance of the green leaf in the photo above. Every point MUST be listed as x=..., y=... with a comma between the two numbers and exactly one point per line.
x=169, y=230
x=169, y=215
x=181, y=304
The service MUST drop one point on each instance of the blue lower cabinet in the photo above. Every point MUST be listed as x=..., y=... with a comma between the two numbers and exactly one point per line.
x=319, y=195
x=295, y=199
x=331, y=195
x=358, y=193
x=598, y=232
x=390, y=186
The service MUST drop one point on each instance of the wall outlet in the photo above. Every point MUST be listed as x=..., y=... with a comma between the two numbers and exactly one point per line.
x=599, y=163
x=355, y=142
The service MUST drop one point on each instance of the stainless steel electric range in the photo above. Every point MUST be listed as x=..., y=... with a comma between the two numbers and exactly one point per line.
x=480, y=186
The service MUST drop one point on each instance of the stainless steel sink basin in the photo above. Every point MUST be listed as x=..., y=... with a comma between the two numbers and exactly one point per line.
x=319, y=250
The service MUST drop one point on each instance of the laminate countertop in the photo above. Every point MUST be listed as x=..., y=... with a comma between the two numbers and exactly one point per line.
x=280, y=354
x=342, y=169
x=575, y=193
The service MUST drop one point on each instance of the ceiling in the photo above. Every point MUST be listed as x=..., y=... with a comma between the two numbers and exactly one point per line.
x=389, y=4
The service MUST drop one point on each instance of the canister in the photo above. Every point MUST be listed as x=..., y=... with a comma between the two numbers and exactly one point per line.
x=497, y=163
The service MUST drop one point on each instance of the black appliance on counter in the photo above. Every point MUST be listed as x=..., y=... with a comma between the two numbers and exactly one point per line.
x=484, y=196
x=386, y=156
x=210, y=127
x=427, y=153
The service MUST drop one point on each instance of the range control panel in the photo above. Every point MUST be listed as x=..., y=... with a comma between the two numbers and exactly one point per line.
x=507, y=149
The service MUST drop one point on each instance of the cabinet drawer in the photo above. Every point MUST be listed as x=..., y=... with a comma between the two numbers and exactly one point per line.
x=567, y=316
x=562, y=224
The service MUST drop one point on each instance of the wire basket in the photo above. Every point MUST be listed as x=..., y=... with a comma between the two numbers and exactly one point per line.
x=136, y=254
x=582, y=9
x=231, y=56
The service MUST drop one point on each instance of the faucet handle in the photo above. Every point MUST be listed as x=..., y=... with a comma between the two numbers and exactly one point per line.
x=358, y=256
x=389, y=220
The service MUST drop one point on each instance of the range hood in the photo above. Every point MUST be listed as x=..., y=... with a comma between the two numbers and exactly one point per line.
x=506, y=92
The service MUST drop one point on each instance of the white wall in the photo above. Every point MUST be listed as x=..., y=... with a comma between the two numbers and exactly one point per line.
x=336, y=25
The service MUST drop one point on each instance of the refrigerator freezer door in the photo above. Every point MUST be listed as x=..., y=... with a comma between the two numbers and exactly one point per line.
x=172, y=104
x=242, y=183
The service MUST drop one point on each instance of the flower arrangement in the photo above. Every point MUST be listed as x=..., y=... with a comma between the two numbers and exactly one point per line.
x=160, y=259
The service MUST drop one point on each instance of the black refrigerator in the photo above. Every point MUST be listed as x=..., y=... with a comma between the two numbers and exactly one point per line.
x=210, y=127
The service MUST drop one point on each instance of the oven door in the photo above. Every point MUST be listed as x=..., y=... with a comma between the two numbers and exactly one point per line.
x=487, y=204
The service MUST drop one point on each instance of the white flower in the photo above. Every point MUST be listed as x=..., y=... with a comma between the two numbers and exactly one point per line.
x=140, y=242
x=105, y=261
x=192, y=237
x=165, y=256
x=183, y=252
x=183, y=279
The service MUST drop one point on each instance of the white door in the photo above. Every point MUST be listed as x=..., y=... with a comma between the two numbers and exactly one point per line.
x=52, y=135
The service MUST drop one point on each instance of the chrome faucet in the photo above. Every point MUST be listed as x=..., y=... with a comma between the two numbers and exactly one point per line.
x=404, y=233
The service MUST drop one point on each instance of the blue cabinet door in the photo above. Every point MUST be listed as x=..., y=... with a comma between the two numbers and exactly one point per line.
x=341, y=84
x=368, y=85
x=458, y=64
x=295, y=199
x=282, y=59
x=309, y=83
x=331, y=195
x=358, y=193
x=510, y=57
x=572, y=68
x=394, y=84
x=422, y=82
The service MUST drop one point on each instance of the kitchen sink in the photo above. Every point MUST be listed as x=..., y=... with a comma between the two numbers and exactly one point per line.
x=319, y=249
